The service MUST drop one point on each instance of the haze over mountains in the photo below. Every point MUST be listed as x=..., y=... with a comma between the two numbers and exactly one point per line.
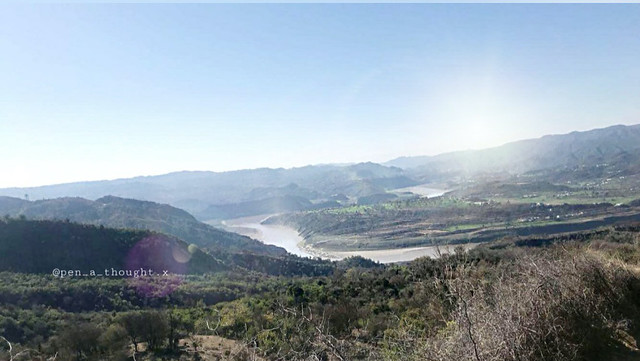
x=607, y=148
x=211, y=195
x=197, y=192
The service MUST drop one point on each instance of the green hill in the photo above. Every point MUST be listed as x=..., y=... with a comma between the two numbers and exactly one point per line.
x=130, y=213
x=41, y=246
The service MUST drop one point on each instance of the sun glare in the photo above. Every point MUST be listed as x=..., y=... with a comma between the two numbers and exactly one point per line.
x=478, y=113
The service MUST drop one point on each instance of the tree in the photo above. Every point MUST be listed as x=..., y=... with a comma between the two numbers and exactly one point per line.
x=155, y=329
x=81, y=341
x=133, y=324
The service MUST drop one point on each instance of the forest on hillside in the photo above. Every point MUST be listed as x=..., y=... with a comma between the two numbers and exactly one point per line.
x=575, y=297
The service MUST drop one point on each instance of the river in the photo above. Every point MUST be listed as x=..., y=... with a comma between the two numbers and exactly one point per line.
x=282, y=236
x=289, y=239
x=423, y=190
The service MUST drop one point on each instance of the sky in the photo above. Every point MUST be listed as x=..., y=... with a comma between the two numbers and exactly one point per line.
x=99, y=91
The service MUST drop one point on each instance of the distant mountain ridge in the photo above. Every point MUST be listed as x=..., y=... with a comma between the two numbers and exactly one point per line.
x=198, y=191
x=616, y=146
x=583, y=155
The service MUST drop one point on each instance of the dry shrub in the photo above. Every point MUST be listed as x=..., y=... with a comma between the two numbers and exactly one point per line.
x=561, y=304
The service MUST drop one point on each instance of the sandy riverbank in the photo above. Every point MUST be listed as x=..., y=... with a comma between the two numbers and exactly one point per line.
x=289, y=239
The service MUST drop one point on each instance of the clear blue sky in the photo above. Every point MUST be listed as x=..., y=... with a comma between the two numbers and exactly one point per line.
x=106, y=91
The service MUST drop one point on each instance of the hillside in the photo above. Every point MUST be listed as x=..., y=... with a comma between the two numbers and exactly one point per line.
x=446, y=220
x=579, y=290
x=38, y=246
x=42, y=246
x=118, y=212
x=612, y=150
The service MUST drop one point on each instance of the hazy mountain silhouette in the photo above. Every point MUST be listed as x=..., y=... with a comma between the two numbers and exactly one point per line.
x=198, y=191
x=615, y=148
x=575, y=156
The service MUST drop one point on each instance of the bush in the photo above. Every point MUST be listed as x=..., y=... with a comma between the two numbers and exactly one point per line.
x=556, y=305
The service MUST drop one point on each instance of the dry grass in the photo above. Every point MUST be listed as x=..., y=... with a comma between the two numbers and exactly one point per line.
x=564, y=304
x=216, y=348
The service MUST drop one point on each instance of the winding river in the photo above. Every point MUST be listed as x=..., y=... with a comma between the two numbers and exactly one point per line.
x=281, y=236
x=289, y=239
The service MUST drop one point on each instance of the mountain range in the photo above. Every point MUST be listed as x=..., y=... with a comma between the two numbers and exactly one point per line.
x=615, y=148
x=197, y=192
x=210, y=195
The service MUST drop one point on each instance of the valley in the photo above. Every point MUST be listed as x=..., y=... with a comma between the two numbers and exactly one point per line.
x=355, y=262
x=280, y=236
x=545, y=186
x=328, y=181
x=447, y=219
x=289, y=239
